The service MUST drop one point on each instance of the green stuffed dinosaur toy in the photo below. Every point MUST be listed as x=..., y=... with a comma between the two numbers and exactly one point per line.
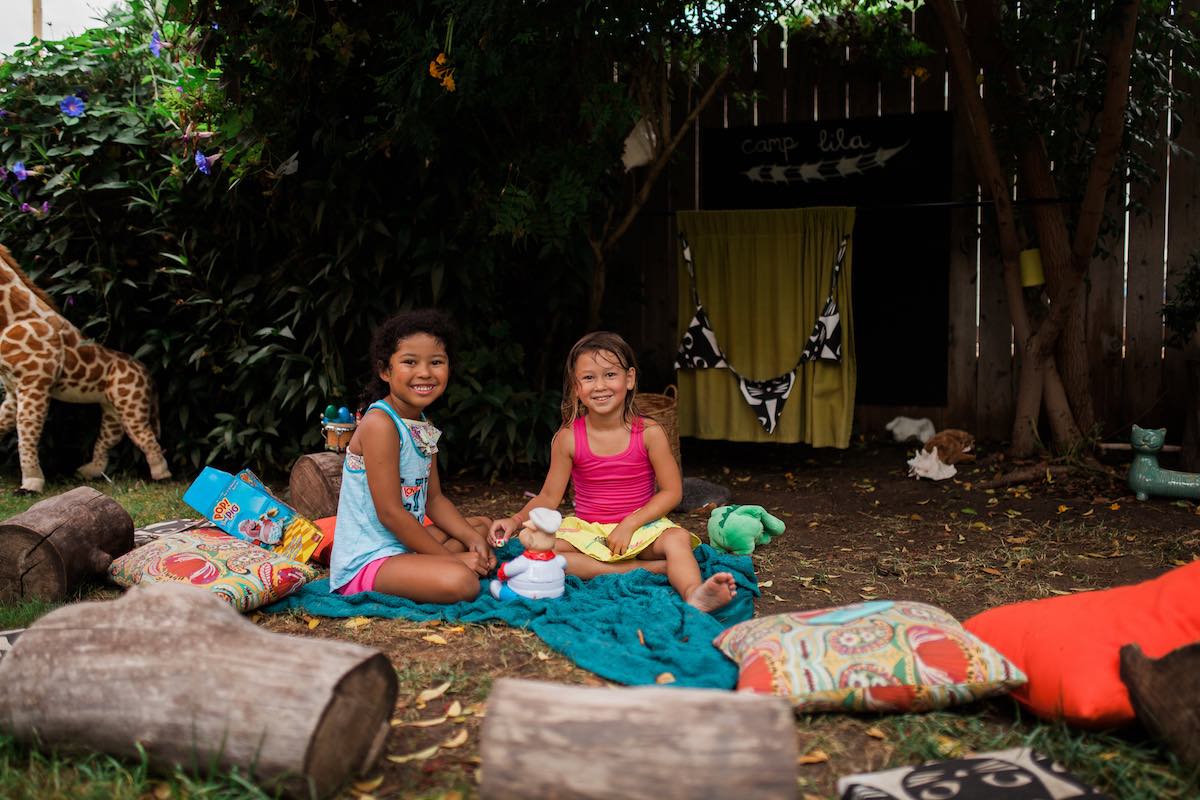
x=738, y=529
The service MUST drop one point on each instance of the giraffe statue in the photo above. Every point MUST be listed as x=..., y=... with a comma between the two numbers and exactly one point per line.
x=43, y=356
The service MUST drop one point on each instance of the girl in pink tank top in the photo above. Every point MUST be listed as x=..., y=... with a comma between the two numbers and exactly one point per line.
x=626, y=480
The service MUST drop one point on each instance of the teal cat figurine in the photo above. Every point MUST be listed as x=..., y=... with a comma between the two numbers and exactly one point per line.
x=1146, y=477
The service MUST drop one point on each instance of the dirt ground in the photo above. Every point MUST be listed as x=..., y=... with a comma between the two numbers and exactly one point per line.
x=857, y=529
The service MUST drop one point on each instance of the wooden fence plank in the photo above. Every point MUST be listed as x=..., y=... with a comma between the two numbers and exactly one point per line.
x=1142, y=371
x=772, y=77
x=1183, y=222
x=740, y=89
x=1103, y=324
x=801, y=83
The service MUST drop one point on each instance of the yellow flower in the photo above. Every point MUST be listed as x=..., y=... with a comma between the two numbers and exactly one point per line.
x=921, y=73
x=441, y=59
x=448, y=83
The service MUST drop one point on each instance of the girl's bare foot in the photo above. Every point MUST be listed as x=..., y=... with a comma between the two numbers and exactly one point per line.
x=714, y=593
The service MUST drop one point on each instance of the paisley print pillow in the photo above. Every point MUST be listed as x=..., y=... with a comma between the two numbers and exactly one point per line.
x=242, y=574
x=878, y=656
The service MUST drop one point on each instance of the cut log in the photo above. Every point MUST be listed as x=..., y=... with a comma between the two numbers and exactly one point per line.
x=1165, y=694
x=550, y=740
x=175, y=670
x=315, y=483
x=47, y=550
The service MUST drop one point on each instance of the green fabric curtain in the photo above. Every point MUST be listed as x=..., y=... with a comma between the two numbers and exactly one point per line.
x=763, y=277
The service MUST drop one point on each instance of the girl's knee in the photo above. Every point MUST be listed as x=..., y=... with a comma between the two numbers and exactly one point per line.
x=674, y=539
x=459, y=585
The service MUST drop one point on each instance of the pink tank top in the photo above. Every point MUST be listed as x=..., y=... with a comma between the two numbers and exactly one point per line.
x=609, y=488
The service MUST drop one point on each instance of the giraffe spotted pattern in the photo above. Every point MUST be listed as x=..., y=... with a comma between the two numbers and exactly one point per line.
x=43, y=356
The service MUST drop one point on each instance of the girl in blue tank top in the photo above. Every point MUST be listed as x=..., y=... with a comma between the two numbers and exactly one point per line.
x=390, y=482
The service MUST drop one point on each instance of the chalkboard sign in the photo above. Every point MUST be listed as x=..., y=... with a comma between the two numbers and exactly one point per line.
x=886, y=167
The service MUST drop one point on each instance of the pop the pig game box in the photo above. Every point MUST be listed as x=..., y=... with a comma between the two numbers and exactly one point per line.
x=241, y=506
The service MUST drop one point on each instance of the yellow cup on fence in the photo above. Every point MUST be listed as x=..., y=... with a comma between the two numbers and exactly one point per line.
x=1031, y=268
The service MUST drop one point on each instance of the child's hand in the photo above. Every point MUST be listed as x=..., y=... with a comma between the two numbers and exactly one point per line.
x=618, y=540
x=475, y=561
x=502, y=530
x=485, y=552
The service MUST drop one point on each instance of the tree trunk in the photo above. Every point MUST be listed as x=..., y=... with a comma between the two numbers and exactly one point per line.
x=174, y=670
x=315, y=483
x=46, y=551
x=648, y=743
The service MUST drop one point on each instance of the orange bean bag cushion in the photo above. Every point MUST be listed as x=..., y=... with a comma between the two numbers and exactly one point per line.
x=321, y=554
x=1068, y=647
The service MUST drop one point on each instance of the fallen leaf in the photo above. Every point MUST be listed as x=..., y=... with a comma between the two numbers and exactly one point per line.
x=357, y=622
x=457, y=740
x=1088, y=513
x=1055, y=573
x=420, y=755
x=915, y=517
x=455, y=709
x=435, y=638
x=816, y=756
x=1063, y=509
x=866, y=596
x=1017, y=539
x=1024, y=562
x=455, y=629
x=368, y=786
x=766, y=584
x=992, y=571
x=778, y=598
x=1058, y=591
x=544, y=656
x=924, y=502
x=813, y=524
x=969, y=510
x=1115, y=507
x=1109, y=756
x=949, y=746
x=434, y=693
x=665, y=677
x=875, y=733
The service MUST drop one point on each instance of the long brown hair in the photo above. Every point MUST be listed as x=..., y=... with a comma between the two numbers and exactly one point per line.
x=608, y=343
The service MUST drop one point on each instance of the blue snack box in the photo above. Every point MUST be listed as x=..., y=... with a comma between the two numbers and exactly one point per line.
x=241, y=506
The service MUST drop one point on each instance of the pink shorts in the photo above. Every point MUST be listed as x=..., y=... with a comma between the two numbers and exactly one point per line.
x=364, y=581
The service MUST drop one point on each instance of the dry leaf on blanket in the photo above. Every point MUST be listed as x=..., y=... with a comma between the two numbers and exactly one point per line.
x=357, y=622
x=665, y=677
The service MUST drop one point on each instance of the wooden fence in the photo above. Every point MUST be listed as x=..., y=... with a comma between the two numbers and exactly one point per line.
x=1135, y=378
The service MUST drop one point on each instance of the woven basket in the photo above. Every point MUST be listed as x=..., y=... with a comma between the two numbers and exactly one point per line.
x=662, y=409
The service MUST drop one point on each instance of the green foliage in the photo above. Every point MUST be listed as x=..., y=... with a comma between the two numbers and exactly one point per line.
x=1181, y=314
x=874, y=32
x=1062, y=53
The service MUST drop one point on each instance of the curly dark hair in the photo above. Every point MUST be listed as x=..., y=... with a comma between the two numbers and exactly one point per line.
x=389, y=335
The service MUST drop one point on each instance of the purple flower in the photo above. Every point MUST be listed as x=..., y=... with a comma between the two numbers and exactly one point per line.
x=19, y=171
x=70, y=301
x=3, y=113
x=45, y=206
x=3, y=174
x=26, y=208
x=71, y=105
x=202, y=162
x=155, y=44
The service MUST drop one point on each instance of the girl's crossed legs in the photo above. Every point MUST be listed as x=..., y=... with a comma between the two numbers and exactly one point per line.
x=432, y=578
x=669, y=554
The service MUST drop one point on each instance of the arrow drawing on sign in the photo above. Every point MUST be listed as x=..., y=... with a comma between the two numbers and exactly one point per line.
x=823, y=170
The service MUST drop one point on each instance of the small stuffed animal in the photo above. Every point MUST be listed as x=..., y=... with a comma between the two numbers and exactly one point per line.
x=906, y=428
x=953, y=445
x=738, y=529
x=539, y=572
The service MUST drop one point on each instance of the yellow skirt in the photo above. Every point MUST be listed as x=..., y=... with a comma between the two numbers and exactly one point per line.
x=591, y=538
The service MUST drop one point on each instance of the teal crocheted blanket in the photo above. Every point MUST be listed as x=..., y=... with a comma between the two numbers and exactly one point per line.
x=595, y=623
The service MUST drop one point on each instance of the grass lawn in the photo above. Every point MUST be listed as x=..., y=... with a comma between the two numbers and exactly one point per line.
x=892, y=536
